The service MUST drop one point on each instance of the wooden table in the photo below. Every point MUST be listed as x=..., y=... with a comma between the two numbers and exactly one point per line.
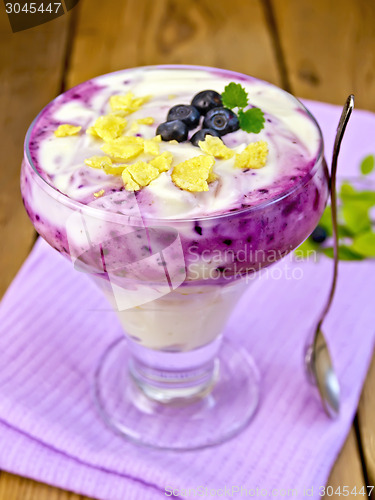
x=319, y=49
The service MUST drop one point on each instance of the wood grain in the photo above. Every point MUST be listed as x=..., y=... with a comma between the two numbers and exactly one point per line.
x=141, y=32
x=347, y=470
x=366, y=412
x=329, y=48
x=20, y=488
x=321, y=63
x=31, y=67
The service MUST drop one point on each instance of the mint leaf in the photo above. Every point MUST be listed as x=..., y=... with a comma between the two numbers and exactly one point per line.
x=364, y=197
x=234, y=96
x=356, y=216
x=251, y=120
x=347, y=190
x=343, y=231
x=307, y=249
x=364, y=244
x=326, y=220
x=367, y=164
x=345, y=253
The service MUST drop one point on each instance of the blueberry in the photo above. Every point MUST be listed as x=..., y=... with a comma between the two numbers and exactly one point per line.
x=206, y=100
x=201, y=134
x=187, y=114
x=173, y=130
x=223, y=120
x=319, y=234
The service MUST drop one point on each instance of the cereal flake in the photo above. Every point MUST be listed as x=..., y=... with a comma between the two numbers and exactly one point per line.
x=151, y=146
x=124, y=148
x=66, y=130
x=162, y=162
x=127, y=103
x=193, y=174
x=129, y=182
x=142, y=172
x=108, y=127
x=253, y=156
x=215, y=147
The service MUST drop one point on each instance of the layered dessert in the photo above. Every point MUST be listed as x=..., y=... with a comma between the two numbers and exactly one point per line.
x=175, y=182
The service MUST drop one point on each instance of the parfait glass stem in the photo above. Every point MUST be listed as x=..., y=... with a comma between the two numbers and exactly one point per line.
x=168, y=376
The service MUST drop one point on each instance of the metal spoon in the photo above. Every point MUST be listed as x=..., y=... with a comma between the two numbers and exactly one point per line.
x=318, y=362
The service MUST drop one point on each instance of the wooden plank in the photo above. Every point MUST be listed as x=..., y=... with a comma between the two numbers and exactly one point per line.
x=347, y=470
x=329, y=48
x=31, y=66
x=19, y=488
x=31, y=69
x=135, y=33
x=366, y=421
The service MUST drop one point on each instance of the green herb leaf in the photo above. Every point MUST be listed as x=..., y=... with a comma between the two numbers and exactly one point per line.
x=356, y=216
x=366, y=198
x=349, y=193
x=345, y=253
x=234, y=96
x=344, y=232
x=251, y=120
x=364, y=244
x=347, y=190
x=307, y=249
x=367, y=164
x=326, y=220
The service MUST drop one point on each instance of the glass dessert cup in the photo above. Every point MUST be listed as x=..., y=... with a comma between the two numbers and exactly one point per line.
x=172, y=381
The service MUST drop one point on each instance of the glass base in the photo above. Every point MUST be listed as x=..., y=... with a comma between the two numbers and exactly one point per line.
x=216, y=414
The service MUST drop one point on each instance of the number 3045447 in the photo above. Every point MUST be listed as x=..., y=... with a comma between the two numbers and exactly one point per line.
x=33, y=7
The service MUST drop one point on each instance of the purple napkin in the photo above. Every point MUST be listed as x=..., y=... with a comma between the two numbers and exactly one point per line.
x=54, y=325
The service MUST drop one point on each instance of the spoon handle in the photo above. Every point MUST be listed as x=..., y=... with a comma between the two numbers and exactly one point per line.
x=345, y=115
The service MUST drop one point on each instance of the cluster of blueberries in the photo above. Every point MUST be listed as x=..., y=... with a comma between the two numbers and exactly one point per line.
x=181, y=118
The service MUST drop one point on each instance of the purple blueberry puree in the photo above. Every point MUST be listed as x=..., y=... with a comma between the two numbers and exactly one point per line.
x=259, y=228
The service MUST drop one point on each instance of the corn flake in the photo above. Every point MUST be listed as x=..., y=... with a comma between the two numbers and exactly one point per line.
x=151, y=146
x=129, y=182
x=100, y=193
x=147, y=120
x=134, y=127
x=108, y=127
x=253, y=156
x=215, y=147
x=104, y=163
x=162, y=162
x=99, y=162
x=114, y=170
x=193, y=174
x=67, y=130
x=211, y=176
x=143, y=173
x=128, y=102
x=124, y=148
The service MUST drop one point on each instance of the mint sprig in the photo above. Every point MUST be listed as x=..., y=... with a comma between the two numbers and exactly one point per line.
x=235, y=96
x=356, y=228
